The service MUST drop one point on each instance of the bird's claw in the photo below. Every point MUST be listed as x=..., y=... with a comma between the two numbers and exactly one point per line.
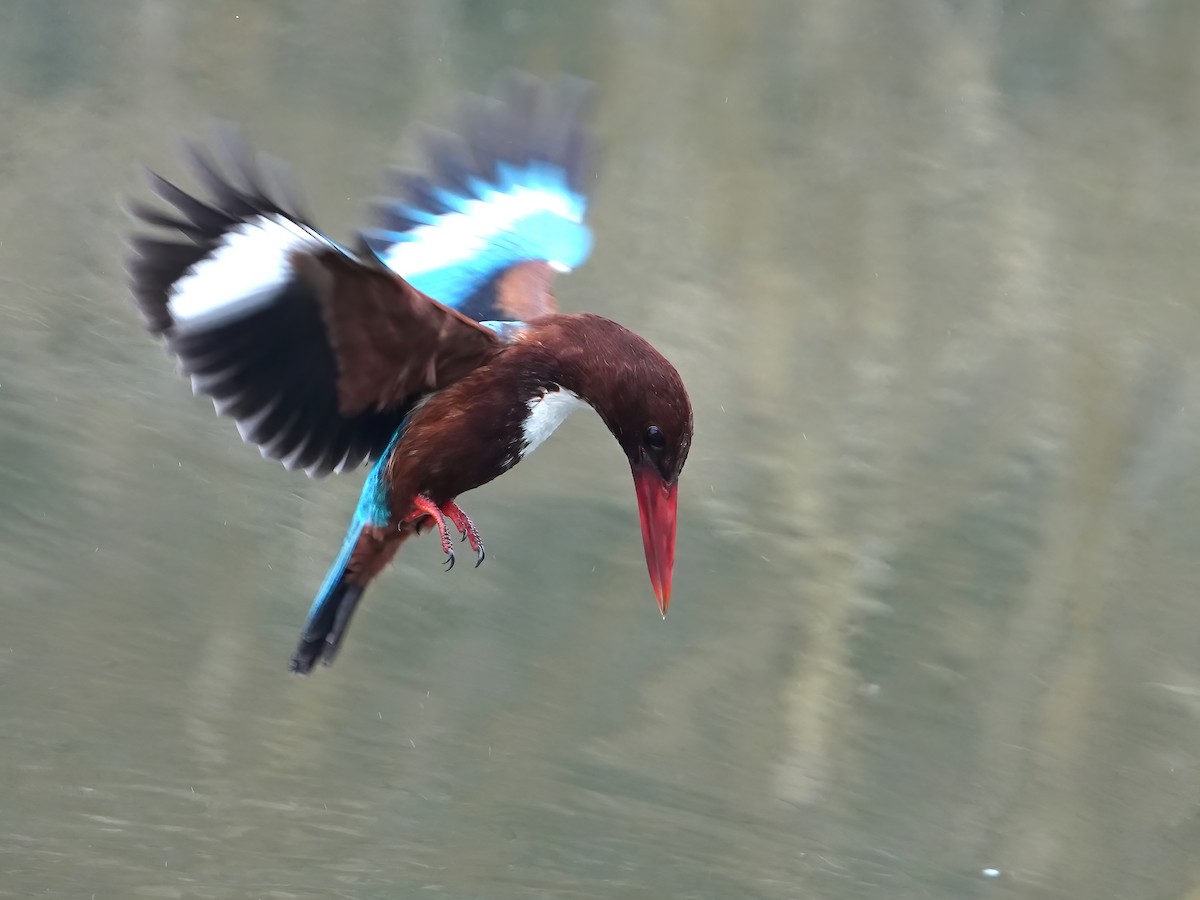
x=466, y=529
x=463, y=523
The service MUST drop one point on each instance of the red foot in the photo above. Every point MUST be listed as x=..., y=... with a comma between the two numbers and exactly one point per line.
x=429, y=508
x=426, y=507
x=466, y=528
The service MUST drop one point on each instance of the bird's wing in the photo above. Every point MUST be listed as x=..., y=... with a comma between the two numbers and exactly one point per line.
x=316, y=354
x=501, y=209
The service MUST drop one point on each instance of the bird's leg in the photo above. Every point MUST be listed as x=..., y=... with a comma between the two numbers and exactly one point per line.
x=467, y=527
x=426, y=507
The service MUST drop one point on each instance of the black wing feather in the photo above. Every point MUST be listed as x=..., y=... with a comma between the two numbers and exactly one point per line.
x=273, y=368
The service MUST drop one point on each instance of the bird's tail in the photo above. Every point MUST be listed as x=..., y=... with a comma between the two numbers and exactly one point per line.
x=364, y=552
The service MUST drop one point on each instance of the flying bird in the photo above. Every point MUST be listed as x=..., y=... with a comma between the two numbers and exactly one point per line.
x=431, y=350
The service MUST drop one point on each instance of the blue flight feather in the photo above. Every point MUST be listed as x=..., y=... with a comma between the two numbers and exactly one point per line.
x=510, y=189
x=506, y=330
x=529, y=214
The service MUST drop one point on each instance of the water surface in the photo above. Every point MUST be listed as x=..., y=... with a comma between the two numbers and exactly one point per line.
x=929, y=271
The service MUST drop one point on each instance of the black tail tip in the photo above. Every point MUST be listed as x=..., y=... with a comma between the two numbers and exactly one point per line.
x=324, y=634
x=311, y=652
x=304, y=658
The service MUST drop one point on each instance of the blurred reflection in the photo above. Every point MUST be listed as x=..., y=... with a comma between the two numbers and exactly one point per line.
x=927, y=270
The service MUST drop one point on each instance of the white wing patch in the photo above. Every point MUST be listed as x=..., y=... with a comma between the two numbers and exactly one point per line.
x=242, y=273
x=459, y=236
x=546, y=412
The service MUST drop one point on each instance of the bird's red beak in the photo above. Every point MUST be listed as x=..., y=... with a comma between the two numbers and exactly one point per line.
x=656, y=506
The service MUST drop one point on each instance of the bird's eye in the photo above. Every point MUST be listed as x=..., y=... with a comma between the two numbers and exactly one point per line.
x=654, y=438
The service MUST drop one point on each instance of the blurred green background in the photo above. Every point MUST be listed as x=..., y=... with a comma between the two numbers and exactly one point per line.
x=928, y=268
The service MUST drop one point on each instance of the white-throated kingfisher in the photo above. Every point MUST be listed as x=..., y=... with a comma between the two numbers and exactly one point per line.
x=433, y=350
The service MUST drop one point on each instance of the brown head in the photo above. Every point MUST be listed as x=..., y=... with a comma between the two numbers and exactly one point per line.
x=641, y=398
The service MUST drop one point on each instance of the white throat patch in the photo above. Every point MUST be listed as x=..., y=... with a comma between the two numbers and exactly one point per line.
x=546, y=412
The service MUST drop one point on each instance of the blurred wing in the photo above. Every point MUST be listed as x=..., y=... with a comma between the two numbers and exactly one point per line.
x=502, y=208
x=316, y=355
